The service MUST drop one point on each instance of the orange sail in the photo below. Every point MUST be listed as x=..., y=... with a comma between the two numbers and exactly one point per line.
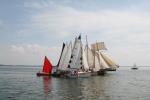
x=47, y=67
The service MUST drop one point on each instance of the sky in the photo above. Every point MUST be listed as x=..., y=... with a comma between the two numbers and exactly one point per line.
x=31, y=29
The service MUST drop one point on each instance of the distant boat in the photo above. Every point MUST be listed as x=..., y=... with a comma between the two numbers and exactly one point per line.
x=47, y=68
x=134, y=67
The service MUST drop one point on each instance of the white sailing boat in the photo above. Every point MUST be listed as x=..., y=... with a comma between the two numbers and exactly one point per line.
x=134, y=67
x=78, y=66
x=62, y=67
x=101, y=62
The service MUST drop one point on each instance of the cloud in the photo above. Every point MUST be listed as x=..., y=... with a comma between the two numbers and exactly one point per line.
x=63, y=21
x=28, y=54
x=125, y=31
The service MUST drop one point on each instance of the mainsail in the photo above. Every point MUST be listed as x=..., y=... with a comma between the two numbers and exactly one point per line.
x=67, y=57
x=75, y=61
x=47, y=67
x=84, y=60
x=90, y=57
x=96, y=62
x=60, y=66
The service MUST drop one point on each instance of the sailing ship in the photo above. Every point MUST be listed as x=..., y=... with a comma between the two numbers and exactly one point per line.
x=98, y=60
x=72, y=62
x=62, y=66
x=134, y=67
x=47, y=68
x=78, y=66
x=77, y=61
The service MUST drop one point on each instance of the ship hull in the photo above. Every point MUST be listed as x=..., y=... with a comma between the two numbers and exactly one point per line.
x=134, y=68
x=101, y=72
x=111, y=69
x=78, y=74
x=43, y=74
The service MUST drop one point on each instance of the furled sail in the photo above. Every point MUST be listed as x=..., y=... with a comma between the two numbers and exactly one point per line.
x=109, y=61
x=47, y=67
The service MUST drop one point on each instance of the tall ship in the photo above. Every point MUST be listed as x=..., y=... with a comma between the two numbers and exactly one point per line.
x=98, y=59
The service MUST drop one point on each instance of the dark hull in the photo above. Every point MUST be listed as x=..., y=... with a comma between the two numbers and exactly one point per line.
x=110, y=69
x=101, y=72
x=59, y=74
x=134, y=68
x=43, y=74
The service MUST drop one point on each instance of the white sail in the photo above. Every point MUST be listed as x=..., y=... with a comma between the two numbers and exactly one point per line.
x=76, y=56
x=90, y=56
x=108, y=60
x=67, y=57
x=85, y=63
x=62, y=59
x=96, y=62
x=103, y=63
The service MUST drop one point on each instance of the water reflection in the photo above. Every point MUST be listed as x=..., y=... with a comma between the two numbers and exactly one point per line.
x=94, y=88
x=47, y=85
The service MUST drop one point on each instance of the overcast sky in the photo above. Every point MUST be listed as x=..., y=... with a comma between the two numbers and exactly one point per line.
x=31, y=29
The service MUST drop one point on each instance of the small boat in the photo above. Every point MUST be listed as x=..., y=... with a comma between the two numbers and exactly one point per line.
x=47, y=68
x=134, y=67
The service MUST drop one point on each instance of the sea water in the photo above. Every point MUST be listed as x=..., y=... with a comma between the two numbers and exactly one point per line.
x=21, y=83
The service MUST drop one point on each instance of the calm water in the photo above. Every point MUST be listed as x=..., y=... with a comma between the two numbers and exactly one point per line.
x=21, y=83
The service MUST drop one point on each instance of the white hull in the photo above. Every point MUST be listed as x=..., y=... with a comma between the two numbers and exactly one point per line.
x=84, y=74
x=79, y=75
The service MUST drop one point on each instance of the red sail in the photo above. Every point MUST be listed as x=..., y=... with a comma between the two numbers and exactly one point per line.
x=47, y=67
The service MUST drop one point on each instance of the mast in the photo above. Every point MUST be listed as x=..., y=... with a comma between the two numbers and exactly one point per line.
x=94, y=55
